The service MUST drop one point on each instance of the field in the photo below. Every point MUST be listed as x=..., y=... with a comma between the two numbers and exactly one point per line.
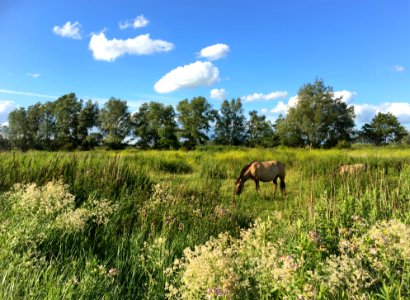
x=164, y=224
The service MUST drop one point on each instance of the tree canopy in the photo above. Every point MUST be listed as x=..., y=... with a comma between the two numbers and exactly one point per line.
x=230, y=128
x=319, y=119
x=383, y=129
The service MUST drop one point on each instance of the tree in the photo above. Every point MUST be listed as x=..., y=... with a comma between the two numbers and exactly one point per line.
x=318, y=119
x=230, y=126
x=260, y=131
x=47, y=127
x=4, y=138
x=34, y=118
x=66, y=111
x=383, y=129
x=155, y=126
x=19, y=132
x=87, y=119
x=195, y=117
x=115, y=123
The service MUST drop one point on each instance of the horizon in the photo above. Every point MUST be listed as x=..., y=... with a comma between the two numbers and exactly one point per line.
x=261, y=52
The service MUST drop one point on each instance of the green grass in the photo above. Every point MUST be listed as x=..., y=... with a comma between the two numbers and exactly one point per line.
x=125, y=256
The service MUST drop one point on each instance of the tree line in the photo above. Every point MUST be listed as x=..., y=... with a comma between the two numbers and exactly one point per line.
x=317, y=120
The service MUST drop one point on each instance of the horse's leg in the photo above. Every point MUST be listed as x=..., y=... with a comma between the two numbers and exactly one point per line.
x=283, y=186
x=257, y=185
x=275, y=184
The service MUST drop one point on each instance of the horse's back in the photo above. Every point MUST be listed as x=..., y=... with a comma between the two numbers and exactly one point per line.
x=268, y=170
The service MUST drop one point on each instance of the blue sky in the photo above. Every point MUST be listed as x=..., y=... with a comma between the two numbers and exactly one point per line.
x=166, y=51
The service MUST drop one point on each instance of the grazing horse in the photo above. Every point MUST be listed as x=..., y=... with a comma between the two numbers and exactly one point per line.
x=264, y=171
x=352, y=169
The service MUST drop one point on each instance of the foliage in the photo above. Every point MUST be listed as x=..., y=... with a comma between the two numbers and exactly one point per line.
x=260, y=131
x=318, y=119
x=230, y=124
x=383, y=129
x=194, y=117
x=115, y=123
x=66, y=111
x=155, y=126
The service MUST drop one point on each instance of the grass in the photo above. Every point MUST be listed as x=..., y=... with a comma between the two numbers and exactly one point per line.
x=134, y=214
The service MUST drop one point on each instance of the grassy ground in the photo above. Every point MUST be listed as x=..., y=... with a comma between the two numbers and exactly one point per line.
x=115, y=225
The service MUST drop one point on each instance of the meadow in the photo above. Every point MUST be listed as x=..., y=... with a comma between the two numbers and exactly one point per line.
x=164, y=224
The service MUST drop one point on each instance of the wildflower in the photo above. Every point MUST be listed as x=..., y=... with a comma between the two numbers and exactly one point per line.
x=181, y=226
x=197, y=213
x=112, y=272
x=315, y=237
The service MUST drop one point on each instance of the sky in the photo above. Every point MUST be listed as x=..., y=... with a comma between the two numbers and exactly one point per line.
x=260, y=51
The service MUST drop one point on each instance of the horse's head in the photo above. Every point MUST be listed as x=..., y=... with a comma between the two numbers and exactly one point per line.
x=239, y=186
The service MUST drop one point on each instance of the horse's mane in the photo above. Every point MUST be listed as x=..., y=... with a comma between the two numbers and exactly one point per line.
x=245, y=169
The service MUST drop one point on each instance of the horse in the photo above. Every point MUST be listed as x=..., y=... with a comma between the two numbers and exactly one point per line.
x=352, y=169
x=264, y=171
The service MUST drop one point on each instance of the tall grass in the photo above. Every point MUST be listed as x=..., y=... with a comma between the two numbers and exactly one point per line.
x=130, y=216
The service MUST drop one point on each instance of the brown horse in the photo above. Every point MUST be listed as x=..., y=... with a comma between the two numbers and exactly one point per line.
x=264, y=171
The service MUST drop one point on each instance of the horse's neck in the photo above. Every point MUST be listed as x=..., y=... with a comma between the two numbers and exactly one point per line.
x=247, y=175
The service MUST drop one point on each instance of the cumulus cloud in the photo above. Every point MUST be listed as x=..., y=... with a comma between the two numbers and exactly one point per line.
x=6, y=107
x=265, y=97
x=398, y=68
x=281, y=108
x=110, y=50
x=68, y=30
x=365, y=112
x=214, y=52
x=347, y=96
x=219, y=94
x=138, y=22
x=193, y=75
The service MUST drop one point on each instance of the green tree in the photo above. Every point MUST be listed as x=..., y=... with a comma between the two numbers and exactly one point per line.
x=47, y=127
x=383, y=129
x=318, y=119
x=195, y=117
x=155, y=126
x=66, y=111
x=87, y=119
x=230, y=128
x=115, y=123
x=260, y=131
x=19, y=129
x=4, y=138
x=34, y=118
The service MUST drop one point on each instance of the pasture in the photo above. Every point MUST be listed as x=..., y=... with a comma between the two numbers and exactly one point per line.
x=164, y=224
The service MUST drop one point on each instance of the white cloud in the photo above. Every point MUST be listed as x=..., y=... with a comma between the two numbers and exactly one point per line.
x=281, y=108
x=265, y=97
x=34, y=75
x=68, y=30
x=347, y=96
x=365, y=112
x=138, y=22
x=193, y=75
x=6, y=107
x=214, y=52
x=293, y=101
x=398, y=68
x=110, y=50
x=219, y=94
